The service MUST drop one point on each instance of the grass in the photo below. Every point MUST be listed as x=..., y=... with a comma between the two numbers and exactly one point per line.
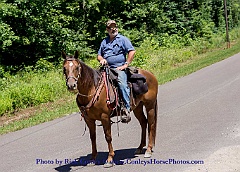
x=165, y=71
x=42, y=113
x=197, y=63
x=30, y=89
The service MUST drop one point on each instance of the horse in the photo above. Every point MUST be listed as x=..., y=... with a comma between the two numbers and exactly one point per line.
x=87, y=82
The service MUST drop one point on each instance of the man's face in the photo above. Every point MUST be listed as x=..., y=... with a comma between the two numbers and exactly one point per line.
x=112, y=30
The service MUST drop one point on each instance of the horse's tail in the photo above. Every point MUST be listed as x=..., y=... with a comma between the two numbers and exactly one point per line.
x=155, y=122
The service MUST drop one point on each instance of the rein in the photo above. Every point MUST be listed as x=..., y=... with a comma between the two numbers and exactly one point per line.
x=93, y=100
x=104, y=81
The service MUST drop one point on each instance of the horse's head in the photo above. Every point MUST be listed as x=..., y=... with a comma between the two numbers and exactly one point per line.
x=71, y=70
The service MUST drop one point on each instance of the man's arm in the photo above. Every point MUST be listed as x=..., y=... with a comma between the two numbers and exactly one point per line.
x=128, y=61
x=101, y=60
x=130, y=56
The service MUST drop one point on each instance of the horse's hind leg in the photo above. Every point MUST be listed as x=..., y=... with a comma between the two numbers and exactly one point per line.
x=138, y=111
x=151, y=109
x=108, y=136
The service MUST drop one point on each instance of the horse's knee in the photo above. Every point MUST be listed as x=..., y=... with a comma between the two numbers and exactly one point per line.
x=143, y=121
x=108, y=139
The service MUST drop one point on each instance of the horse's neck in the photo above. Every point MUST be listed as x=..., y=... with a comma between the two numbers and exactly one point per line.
x=88, y=80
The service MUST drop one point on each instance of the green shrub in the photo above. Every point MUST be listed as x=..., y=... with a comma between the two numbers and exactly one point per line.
x=31, y=89
x=1, y=72
x=43, y=65
x=5, y=104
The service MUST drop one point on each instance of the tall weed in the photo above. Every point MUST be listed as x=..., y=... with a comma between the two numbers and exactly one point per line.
x=31, y=89
x=173, y=55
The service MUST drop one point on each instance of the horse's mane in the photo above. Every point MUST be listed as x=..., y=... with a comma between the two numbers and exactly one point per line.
x=89, y=76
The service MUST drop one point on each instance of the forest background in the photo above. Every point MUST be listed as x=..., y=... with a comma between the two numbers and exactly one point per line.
x=166, y=34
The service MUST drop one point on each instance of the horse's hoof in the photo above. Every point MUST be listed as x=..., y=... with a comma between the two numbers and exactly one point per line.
x=108, y=164
x=138, y=151
x=148, y=154
x=91, y=163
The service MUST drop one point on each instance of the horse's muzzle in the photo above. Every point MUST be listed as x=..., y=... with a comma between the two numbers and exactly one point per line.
x=71, y=83
x=72, y=87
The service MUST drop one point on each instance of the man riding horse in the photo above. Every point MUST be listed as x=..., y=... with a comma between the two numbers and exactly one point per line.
x=113, y=51
x=91, y=97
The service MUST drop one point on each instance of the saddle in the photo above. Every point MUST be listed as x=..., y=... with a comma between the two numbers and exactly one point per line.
x=136, y=82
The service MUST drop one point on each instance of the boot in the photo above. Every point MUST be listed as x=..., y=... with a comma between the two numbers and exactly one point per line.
x=125, y=118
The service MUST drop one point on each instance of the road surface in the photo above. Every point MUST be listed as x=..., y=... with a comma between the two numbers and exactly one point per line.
x=198, y=131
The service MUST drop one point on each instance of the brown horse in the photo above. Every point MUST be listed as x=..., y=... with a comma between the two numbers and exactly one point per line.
x=87, y=82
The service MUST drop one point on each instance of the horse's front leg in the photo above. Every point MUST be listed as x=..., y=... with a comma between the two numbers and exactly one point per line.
x=108, y=136
x=92, y=130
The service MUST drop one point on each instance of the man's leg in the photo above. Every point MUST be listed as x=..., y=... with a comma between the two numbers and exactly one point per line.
x=125, y=92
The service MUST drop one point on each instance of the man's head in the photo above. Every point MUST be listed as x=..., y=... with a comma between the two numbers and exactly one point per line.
x=111, y=27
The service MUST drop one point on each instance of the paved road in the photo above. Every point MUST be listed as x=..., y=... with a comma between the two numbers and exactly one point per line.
x=198, y=121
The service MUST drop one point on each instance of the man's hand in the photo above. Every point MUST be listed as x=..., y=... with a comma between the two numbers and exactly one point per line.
x=103, y=62
x=122, y=67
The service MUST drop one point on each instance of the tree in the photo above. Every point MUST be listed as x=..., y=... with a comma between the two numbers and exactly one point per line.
x=32, y=30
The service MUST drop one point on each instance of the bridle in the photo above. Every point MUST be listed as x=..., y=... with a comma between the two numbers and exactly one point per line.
x=78, y=76
x=79, y=71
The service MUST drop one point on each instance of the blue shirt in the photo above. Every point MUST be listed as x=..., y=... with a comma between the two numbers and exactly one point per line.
x=115, y=51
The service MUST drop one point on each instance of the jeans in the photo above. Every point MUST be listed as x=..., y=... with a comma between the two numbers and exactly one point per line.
x=123, y=87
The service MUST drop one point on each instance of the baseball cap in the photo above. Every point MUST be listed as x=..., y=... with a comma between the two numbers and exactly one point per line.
x=111, y=22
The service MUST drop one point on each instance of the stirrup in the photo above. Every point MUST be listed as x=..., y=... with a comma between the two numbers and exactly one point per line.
x=125, y=117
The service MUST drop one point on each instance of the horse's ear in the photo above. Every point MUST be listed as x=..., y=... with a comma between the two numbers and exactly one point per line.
x=64, y=55
x=76, y=54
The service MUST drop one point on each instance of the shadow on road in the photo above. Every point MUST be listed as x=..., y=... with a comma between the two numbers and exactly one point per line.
x=119, y=159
